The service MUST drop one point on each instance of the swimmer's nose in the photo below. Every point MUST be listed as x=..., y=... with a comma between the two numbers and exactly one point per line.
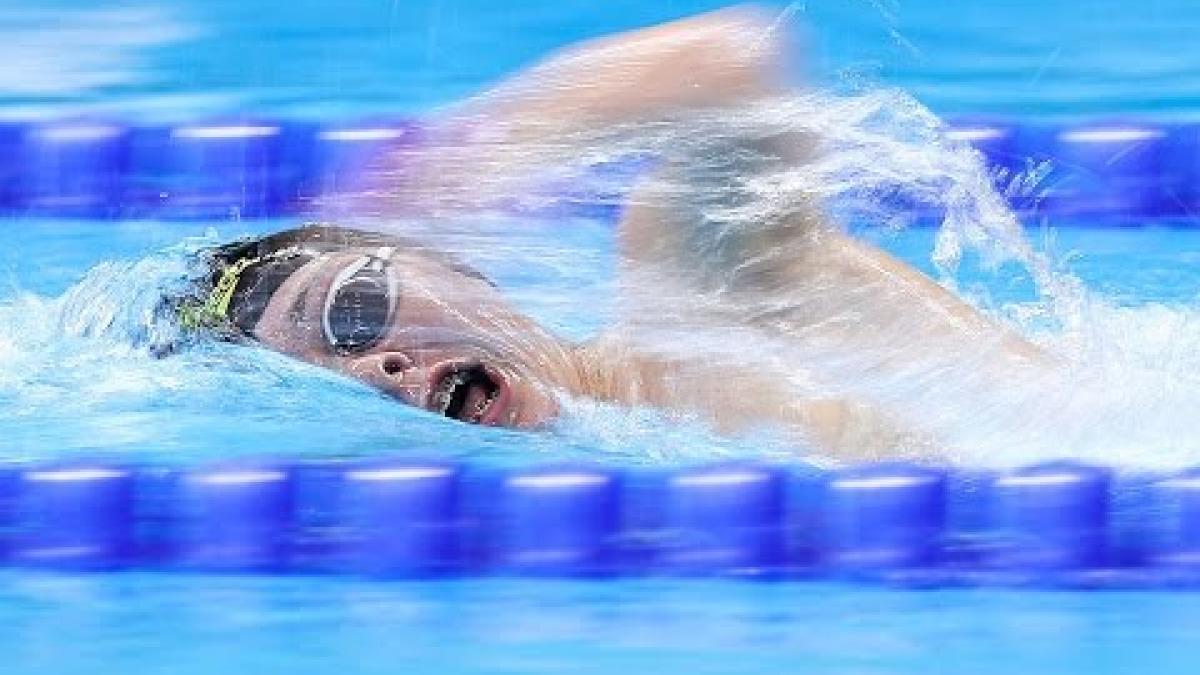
x=392, y=372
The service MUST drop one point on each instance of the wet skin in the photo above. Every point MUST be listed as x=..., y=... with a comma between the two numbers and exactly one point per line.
x=452, y=346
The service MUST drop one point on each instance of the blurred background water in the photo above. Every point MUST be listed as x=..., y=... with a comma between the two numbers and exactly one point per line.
x=186, y=58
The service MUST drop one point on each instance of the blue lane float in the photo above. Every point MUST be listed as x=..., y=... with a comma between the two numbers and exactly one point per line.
x=1051, y=517
x=402, y=517
x=1176, y=539
x=1113, y=168
x=559, y=521
x=341, y=152
x=884, y=516
x=224, y=169
x=725, y=519
x=73, y=168
x=1057, y=524
x=237, y=516
x=251, y=167
x=74, y=516
x=998, y=140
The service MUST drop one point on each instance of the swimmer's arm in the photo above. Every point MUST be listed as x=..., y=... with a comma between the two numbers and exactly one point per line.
x=712, y=59
x=736, y=399
x=793, y=271
x=483, y=150
x=799, y=276
x=902, y=295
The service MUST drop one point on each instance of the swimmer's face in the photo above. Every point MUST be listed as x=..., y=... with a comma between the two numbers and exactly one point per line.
x=421, y=331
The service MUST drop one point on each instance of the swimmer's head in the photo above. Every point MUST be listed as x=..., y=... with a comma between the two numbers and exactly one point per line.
x=413, y=322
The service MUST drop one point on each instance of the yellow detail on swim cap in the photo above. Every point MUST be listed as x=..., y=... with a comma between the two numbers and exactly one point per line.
x=215, y=310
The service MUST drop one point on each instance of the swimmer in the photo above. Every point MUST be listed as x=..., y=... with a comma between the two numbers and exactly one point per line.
x=427, y=329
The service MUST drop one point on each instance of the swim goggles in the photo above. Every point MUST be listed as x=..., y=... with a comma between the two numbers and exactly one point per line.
x=356, y=312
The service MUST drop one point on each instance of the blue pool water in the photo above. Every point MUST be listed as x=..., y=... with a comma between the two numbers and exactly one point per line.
x=151, y=624
x=184, y=58
x=73, y=377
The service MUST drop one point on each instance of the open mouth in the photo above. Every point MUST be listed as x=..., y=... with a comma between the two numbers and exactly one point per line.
x=468, y=393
